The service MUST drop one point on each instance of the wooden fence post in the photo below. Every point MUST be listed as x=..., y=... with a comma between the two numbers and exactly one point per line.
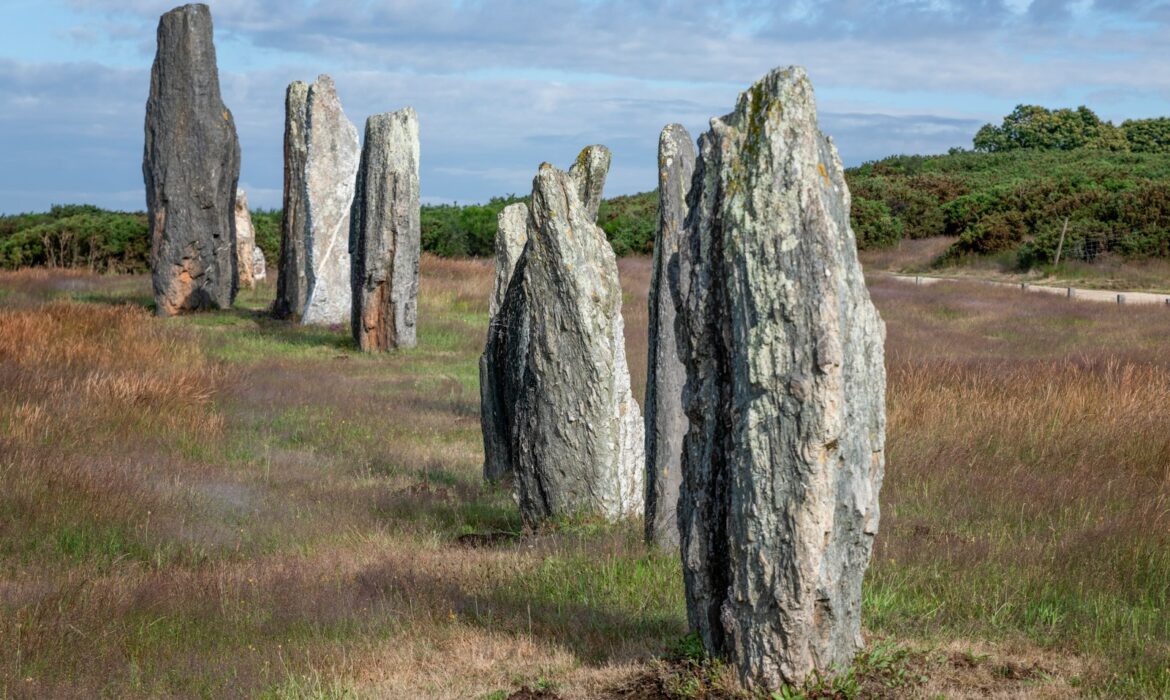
x=1060, y=246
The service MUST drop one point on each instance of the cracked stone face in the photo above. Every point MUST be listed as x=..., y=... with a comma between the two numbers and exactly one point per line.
x=384, y=239
x=558, y=414
x=331, y=161
x=785, y=393
x=666, y=423
x=191, y=165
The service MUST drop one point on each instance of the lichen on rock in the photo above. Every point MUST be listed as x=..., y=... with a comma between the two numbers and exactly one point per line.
x=384, y=242
x=191, y=166
x=666, y=423
x=785, y=394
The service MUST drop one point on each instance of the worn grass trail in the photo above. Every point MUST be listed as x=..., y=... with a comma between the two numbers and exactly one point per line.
x=225, y=505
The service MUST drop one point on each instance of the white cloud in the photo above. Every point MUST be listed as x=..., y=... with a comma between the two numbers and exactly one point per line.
x=502, y=85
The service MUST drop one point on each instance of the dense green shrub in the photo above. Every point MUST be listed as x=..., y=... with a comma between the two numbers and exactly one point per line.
x=266, y=222
x=630, y=222
x=451, y=230
x=76, y=236
x=874, y=225
x=1018, y=199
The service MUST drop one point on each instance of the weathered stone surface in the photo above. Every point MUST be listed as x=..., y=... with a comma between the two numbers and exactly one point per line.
x=191, y=164
x=501, y=375
x=245, y=242
x=785, y=393
x=331, y=161
x=511, y=235
x=292, y=281
x=589, y=171
x=666, y=423
x=504, y=361
x=259, y=265
x=577, y=429
x=384, y=234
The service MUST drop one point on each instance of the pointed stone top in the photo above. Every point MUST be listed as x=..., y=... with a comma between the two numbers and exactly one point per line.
x=589, y=172
x=781, y=86
x=670, y=141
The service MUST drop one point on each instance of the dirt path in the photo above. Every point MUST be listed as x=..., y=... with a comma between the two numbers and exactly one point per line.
x=1097, y=295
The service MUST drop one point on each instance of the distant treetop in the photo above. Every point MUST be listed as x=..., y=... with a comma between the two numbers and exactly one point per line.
x=1033, y=126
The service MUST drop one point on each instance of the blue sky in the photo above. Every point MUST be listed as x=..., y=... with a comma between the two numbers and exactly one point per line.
x=501, y=86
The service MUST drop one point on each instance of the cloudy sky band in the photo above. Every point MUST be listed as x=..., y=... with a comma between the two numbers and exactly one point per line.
x=502, y=85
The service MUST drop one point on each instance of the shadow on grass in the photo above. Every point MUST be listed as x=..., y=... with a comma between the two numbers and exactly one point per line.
x=285, y=332
x=592, y=588
x=567, y=605
x=444, y=502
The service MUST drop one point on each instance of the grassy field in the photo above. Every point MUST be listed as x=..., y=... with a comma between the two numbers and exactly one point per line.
x=1110, y=272
x=223, y=505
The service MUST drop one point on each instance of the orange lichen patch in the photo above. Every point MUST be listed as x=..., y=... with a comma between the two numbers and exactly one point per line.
x=377, y=320
x=179, y=295
x=825, y=174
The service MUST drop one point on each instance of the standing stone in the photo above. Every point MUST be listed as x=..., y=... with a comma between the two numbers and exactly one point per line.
x=589, y=171
x=785, y=394
x=245, y=242
x=384, y=236
x=501, y=373
x=511, y=235
x=292, y=281
x=331, y=162
x=505, y=355
x=259, y=265
x=666, y=423
x=191, y=164
x=577, y=429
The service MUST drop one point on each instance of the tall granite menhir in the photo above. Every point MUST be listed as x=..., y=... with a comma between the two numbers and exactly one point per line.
x=577, y=429
x=331, y=161
x=384, y=234
x=504, y=362
x=292, y=282
x=785, y=394
x=666, y=423
x=557, y=412
x=191, y=165
x=501, y=367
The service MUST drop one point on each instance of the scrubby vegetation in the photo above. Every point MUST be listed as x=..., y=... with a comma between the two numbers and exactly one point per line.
x=1009, y=198
x=266, y=223
x=224, y=505
x=76, y=236
x=451, y=230
x=85, y=236
x=1017, y=201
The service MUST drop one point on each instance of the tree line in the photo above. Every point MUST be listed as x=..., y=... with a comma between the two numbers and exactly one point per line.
x=1009, y=196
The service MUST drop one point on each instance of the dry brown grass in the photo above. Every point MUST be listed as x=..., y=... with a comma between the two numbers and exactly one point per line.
x=908, y=255
x=1028, y=487
x=223, y=505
